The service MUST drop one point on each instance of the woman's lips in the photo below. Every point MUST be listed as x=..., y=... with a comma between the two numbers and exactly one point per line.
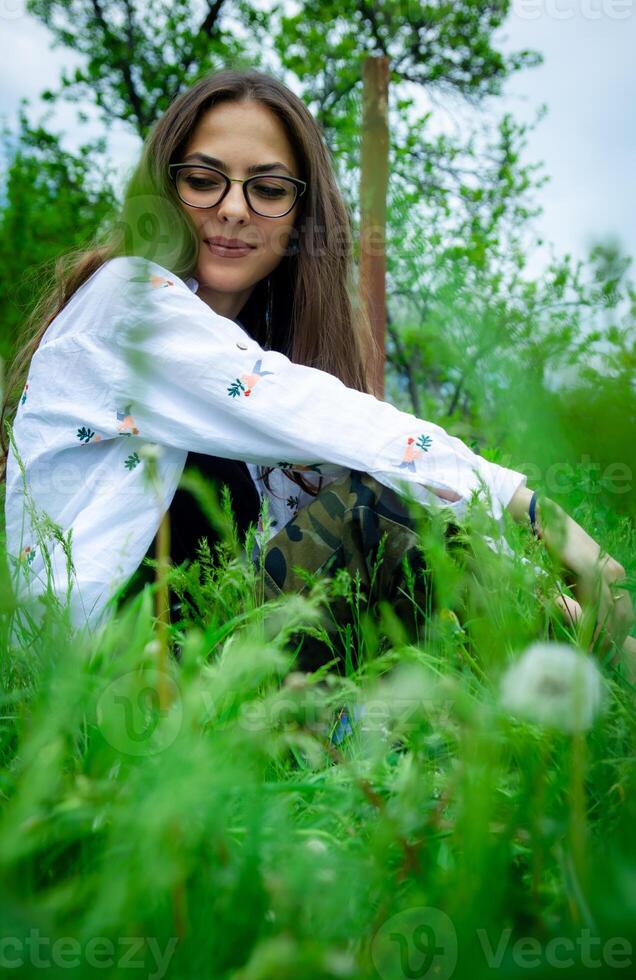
x=229, y=252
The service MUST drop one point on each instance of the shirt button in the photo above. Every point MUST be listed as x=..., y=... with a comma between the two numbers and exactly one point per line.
x=241, y=346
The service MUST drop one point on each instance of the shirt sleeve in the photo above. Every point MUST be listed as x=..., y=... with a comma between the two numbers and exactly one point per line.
x=185, y=376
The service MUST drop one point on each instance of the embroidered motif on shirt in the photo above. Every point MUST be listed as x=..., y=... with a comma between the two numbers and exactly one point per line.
x=414, y=450
x=246, y=382
x=131, y=461
x=157, y=282
x=85, y=434
x=27, y=554
x=25, y=558
x=23, y=397
x=127, y=426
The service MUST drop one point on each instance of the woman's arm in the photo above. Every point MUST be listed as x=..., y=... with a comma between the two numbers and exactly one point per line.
x=192, y=379
x=519, y=503
x=160, y=364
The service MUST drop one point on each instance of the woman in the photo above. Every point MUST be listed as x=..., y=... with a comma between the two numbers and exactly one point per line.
x=217, y=321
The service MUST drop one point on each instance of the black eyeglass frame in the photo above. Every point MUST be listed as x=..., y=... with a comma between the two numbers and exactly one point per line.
x=174, y=168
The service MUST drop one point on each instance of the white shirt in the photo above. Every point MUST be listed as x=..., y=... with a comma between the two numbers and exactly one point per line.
x=136, y=358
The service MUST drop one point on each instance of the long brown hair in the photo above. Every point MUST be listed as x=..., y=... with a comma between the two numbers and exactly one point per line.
x=305, y=308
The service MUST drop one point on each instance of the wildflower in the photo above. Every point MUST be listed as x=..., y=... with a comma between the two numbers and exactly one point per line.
x=150, y=452
x=296, y=680
x=344, y=723
x=554, y=685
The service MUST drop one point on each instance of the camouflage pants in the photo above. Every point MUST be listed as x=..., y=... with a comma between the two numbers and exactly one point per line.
x=343, y=529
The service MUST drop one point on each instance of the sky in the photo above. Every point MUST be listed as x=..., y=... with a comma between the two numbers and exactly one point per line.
x=587, y=141
x=588, y=137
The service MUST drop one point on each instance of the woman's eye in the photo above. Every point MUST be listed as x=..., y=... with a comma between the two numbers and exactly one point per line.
x=202, y=183
x=270, y=190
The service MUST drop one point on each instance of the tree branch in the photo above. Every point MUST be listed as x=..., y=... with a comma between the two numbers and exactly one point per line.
x=404, y=363
x=123, y=66
x=455, y=397
x=207, y=28
x=211, y=18
x=368, y=13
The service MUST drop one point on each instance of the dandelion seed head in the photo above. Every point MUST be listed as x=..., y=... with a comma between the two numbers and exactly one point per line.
x=150, y=452
x=554, y=685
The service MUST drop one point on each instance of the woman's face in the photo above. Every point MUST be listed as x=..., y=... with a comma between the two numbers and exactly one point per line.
x=240, y=135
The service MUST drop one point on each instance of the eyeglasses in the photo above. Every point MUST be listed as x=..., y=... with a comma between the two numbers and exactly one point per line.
x=269, y=195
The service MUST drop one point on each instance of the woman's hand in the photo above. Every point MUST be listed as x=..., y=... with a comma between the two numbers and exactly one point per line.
x=607, y=609
x=572, y=613
x=605, y=612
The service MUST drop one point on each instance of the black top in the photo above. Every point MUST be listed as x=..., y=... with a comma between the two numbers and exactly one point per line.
x=188, y=523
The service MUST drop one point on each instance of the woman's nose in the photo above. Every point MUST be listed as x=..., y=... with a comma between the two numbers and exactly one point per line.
x=234, y=203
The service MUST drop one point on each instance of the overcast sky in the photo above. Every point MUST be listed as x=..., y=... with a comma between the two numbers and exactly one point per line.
x=587, y=140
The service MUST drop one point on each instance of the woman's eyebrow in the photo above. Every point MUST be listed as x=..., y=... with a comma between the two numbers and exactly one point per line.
x=257, y=168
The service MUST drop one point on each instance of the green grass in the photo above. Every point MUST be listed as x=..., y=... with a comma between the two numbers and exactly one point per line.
x=231, y=836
